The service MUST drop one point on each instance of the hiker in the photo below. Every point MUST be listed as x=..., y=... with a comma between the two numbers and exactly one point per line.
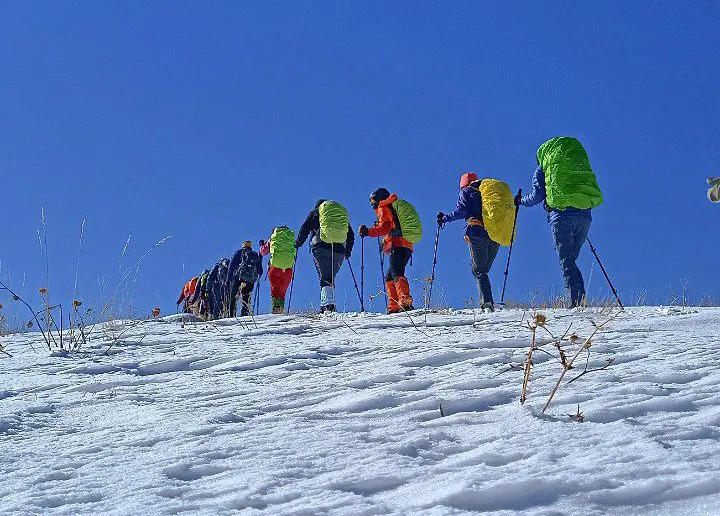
x=187, y=292
x=714, y=190
x=217, y=291
x=565, y=182
x=281, y=248
x=198, y=300
x=244, y=270
x=331, y=241
x=483, y=249
x=399, y=223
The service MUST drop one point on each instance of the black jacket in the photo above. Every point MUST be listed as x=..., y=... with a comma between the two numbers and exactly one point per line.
x=311, y=228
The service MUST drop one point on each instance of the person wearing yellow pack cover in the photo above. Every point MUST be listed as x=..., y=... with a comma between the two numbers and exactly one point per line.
x=483, y=249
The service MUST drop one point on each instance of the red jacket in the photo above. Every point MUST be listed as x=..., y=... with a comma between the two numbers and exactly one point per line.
x=386, y=224
x=188, y=290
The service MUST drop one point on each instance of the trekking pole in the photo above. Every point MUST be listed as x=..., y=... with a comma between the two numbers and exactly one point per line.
x=352, y=273
x=612, y=287
x=512, y=241
x=292, y=284
x=382, y=262
x=432, y=275
x=256, y=302
x=362, y=274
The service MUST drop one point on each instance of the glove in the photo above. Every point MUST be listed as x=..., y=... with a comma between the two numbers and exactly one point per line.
x=440, y=218
x=518, y=199
x=363, y=231
x=261, y=242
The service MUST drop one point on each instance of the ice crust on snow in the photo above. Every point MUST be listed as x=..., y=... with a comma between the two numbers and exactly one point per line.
x=362, y=414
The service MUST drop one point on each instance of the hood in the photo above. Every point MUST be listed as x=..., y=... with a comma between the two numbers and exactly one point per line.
x=389, y=200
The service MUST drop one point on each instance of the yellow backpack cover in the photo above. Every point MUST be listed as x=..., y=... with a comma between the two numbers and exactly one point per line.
x=498, y=210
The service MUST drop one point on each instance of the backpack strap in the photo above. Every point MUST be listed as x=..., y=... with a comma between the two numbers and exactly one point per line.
x=397, y=231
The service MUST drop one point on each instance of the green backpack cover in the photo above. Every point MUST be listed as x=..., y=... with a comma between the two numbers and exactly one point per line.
x=282, y=248
x=410, y=226
x=334, y=222
x=569, y=180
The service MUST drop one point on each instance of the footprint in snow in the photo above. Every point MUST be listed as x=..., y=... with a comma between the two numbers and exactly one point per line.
x=188, y=472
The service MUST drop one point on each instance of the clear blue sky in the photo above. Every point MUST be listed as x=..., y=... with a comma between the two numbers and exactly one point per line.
x=215, y=121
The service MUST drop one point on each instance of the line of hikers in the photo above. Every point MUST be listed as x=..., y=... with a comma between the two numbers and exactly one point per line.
x=563, y=181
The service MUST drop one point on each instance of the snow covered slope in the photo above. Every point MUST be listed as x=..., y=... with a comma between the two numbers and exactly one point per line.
x=366, y=415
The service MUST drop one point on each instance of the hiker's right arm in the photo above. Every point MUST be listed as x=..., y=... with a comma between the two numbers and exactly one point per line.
x=538, y=191
x=461, y=210
x=312, y=222
x=265, y=248
x=384, y=224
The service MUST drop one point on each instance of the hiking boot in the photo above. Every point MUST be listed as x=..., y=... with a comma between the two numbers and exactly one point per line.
x=278, y=310
x=488, y=308
x=330, y=309
x=391, y=311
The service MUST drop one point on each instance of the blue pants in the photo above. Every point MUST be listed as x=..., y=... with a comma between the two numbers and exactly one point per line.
x=569, y=233
x=483, y=251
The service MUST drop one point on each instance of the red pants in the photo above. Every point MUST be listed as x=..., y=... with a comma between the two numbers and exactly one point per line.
x=279, y=281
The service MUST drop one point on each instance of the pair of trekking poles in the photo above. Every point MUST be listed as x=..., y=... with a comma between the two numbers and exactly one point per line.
x=352, y=273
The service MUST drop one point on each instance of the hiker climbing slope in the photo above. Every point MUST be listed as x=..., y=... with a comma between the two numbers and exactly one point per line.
x=244, y=270
x=714, y=190
x=217, y=291
x=281, y=248
x=567, y=185
x=187, y=292
x=198, y=300
x=331, y=240
x=487, y=206
x=399, y=223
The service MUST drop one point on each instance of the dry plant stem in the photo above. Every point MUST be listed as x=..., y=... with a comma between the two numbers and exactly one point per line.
x=348, y=326
x=570, y=362
x=528, y=366
x=34, y=314
x=608, y=363
x=403, y=309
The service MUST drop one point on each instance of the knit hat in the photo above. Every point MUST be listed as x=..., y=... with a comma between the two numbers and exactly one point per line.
x=468, y=178
x=379, y=195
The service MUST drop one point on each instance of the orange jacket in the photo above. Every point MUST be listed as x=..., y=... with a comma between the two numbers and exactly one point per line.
x=386, y=224
x=188, y=290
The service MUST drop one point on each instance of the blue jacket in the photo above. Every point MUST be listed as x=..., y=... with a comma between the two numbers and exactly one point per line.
x=538, y=195
x=469, y=205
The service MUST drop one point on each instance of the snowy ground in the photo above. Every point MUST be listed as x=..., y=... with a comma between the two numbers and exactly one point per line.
x=309, y=415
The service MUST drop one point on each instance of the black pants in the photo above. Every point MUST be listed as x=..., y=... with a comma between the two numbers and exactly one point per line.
x=327, y=263
x=245, y=293
x=399, y=258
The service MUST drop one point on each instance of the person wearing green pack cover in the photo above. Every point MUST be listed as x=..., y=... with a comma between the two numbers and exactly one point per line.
x=331, y=242
x=281, y=248
x=399, y=223
x=566, y=184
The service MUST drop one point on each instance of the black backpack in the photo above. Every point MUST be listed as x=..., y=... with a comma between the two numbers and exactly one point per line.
x=248, y=270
